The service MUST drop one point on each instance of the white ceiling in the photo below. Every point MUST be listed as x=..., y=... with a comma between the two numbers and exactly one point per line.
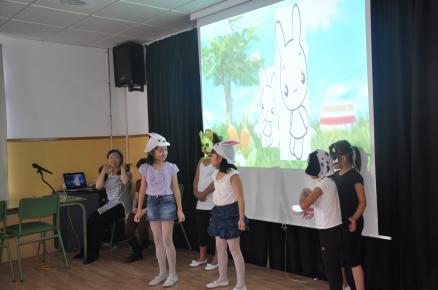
x=97, y=23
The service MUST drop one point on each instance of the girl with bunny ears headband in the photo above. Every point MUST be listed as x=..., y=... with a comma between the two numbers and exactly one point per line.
x=228, y=215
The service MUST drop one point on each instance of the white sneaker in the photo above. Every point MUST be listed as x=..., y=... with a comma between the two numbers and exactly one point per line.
x=347, y=288
x=157, y=280
x=196, y=263
x=210, y=267
x=216, y=284
x=244, y=288
x=170, y=281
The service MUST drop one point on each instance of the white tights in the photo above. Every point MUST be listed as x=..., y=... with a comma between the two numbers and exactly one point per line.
x=222, y=258
x=162, y=231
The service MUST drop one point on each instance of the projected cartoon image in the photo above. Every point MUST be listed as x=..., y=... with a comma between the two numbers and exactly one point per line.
x=268, y=87
x=293, y=84
x=287, y=79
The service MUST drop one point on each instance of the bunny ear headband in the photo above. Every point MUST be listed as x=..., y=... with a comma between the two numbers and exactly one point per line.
x=226, y=150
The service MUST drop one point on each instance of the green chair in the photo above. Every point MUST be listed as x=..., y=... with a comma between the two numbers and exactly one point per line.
x=181, y=190
x=37, y=208
x=4, y=236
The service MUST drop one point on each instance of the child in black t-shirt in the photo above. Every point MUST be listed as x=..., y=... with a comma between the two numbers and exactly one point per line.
x=353, y=203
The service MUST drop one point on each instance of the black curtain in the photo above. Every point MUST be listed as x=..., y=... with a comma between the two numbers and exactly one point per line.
x=405, y=81
x=405, y=69
x=174, y=110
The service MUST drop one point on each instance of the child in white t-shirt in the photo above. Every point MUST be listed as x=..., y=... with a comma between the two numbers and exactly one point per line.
x=327, y=213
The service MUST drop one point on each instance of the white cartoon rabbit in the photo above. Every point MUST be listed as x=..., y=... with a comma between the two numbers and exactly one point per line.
x=293, y=81
x=267, y=105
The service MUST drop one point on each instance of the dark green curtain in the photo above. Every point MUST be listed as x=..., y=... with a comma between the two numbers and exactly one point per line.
x=405, y=69
x=174, y=110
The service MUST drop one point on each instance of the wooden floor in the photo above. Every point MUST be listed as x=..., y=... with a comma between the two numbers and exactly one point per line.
x=109, y=272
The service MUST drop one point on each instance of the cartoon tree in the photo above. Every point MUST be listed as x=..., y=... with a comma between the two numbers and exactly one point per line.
x=226, y=61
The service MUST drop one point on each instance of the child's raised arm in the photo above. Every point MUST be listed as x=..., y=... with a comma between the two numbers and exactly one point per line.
x=310, y=198
x=195, y=182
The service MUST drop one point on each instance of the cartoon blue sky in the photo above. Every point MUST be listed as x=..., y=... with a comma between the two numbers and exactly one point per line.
x=336, y=56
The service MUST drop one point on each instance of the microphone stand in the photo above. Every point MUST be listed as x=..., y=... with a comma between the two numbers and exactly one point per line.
x=42, y=177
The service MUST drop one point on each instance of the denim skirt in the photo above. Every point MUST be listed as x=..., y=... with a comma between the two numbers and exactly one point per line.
x=224, y=222
x=161, y=208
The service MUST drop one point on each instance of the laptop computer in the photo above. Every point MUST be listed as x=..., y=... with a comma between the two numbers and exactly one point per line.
x=75, y=182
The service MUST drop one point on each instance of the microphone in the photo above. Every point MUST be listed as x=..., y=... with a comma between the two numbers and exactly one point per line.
x=34, y=165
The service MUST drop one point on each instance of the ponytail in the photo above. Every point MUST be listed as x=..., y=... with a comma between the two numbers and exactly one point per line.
x=356, y=158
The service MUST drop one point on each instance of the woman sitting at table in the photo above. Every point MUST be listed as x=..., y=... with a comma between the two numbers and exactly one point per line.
x=116, y=180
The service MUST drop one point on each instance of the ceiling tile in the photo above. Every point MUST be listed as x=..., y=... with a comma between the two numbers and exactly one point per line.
x=116, y=40
x=89, y=7
x=146, y=32
x=78, y=37
x=9, y=9
x=28, y=30
x=197, y=5
x=49, y=16
x=172, y=20
x=130, y=11
x=167, y=4
x=101, y=24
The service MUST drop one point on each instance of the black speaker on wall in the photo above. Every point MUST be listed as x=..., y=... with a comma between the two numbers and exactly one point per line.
x=129, y=66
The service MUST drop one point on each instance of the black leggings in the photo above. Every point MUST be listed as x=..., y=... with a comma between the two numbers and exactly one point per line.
x=330, y=241
x=202, y=221
x=96, y=224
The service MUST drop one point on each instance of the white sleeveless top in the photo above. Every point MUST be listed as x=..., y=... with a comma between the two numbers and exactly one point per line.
x=204, y=181
x=223, y=192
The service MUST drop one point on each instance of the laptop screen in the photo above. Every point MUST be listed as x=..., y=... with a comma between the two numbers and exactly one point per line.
x=75, y=180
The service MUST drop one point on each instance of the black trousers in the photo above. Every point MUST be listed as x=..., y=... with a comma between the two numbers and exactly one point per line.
x=202, y=222
x=96, y=224
x=131, y=227
x=331, y=242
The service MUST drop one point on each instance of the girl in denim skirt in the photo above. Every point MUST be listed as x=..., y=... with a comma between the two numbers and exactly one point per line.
x=228, y=215
x=160, y=183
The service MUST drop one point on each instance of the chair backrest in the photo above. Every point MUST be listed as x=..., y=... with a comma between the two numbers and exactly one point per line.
x=38, y=207
x=3, y=207
x=181, y=189
x=3, y=216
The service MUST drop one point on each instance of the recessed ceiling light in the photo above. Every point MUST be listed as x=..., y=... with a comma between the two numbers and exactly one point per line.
x=73, y=2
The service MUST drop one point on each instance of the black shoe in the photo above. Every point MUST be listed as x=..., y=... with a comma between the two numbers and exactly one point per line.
x=133, y=257
x=79, y=255
x=136, y=251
